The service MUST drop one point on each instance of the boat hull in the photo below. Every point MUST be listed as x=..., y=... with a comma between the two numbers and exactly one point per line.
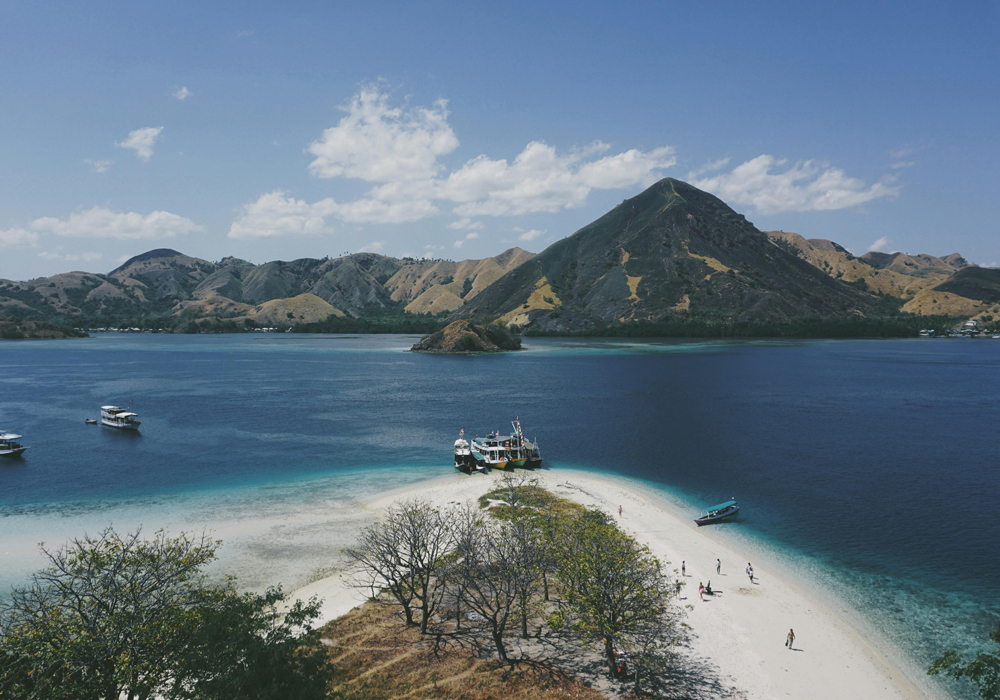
x=121, y=426
x=16, y=452
x=711, y=519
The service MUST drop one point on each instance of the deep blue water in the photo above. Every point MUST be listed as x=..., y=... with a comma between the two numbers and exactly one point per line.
x=873, y=464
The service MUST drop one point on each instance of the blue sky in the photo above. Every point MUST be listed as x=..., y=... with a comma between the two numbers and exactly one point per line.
x=456, y=130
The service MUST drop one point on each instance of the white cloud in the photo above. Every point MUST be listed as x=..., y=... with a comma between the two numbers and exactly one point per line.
x=530, y=235
x=458, y=244
x=541, y=180
x=805, y=186
x=399, y=150
x=182, y=93
x=466, y=225
x=880, y=245
x=101, y=222
x=100, y=166
x=17, y=238
x=381, y=144
x=471, y=236
x=141, y=141
x=903, y=164
x=276, y=215
x=708, y=167
x=899, y=153
x=373, y=247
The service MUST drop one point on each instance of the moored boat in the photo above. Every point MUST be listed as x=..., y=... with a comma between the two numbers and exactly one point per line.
x=115, y=417
x=496, y=451
x=9, y=445
x=464, y=461
x=718, y=513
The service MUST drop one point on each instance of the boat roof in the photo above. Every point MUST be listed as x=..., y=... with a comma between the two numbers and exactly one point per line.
x=126, y=414
x=721, y=506
x=110, y=408
x=9, y=436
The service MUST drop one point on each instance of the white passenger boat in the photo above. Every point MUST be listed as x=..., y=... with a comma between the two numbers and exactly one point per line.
x=9, y=445
x=496, y=451
x=115, y=417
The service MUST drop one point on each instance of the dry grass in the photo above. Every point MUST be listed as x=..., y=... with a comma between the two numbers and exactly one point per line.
x=378, y=658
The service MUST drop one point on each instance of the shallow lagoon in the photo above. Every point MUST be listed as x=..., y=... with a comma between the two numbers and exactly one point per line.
x=863, y=464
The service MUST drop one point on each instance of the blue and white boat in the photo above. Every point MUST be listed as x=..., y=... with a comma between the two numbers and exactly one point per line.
x=718, y=513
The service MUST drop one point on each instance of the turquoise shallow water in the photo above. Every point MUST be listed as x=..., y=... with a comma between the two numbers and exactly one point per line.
x=866, y=465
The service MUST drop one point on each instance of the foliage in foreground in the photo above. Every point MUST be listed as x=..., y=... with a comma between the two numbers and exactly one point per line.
x=983, y=670
x=121, y=616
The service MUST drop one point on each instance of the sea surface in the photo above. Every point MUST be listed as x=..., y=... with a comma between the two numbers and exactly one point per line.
x=870, y=468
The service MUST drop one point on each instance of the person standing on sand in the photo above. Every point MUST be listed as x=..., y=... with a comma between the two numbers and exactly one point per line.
x=683, y=569
x=619, y=511
x=791, y=638
x=718, y=566
x=750, y=572
x=701, y=592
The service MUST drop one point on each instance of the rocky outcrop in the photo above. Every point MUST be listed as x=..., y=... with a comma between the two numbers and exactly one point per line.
x=465, y=337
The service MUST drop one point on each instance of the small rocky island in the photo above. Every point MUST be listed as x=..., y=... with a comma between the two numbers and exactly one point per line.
x=16, y=329
x=469, y=337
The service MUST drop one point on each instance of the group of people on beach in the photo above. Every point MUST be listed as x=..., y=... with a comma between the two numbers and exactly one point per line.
x=703, y=589
x=707, y=588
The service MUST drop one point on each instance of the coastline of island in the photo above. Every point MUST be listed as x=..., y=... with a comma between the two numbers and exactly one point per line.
x=738, y=632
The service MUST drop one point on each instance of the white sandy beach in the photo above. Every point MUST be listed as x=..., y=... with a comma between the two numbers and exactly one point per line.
x=741, y=631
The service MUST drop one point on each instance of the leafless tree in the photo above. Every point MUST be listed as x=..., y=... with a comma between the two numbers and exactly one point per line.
x=489, y=577
x=402, y=554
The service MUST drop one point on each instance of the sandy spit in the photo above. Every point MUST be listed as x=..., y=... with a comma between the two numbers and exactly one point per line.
x=740, y=632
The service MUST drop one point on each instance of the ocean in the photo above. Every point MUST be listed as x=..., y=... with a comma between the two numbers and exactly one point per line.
x=866, y=467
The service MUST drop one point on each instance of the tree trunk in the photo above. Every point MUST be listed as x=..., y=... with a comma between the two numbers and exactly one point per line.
x=501, y=651
x=609, y=652
x=545, y=585
x=423, y=618
x=409, y=615
x=524, y=623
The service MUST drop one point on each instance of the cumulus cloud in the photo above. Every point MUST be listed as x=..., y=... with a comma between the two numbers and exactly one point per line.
x=141, y=141
x=276, y=214
x=471, y=236
x=373, y=247
x=903, y=164
x=458, y=244
x=18, y=238
x=466, y=224
x=101, y=222
x=541, y=180
x=182, y=93
x=880, y=245
x=378, y=143
x=530, y=235
x=399, y=150
x=804, y=186
x=100, y=166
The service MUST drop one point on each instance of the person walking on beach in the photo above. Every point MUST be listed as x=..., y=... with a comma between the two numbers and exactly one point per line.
x=683, y=569
x=701, y=592
x=750, y=572
x=619, y=511
x=791, y=638
x=718, y=566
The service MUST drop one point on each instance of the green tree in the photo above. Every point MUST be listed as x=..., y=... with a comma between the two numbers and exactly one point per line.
x=117, y=616
x=613, y=586
x=983, y=670
x=109, y=616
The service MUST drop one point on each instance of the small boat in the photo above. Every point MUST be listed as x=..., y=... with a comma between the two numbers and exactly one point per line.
x=491, y=452
x=115, y=417
x=715, y=514
x=464, y=461
x=90, y=421
x=9, y=445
